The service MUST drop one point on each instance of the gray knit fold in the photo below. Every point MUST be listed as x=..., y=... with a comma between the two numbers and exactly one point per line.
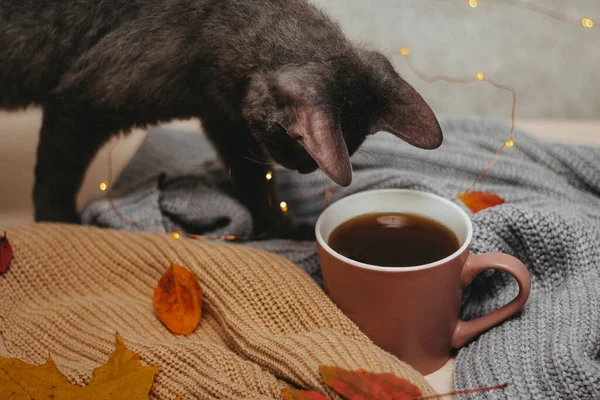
x=551, y=222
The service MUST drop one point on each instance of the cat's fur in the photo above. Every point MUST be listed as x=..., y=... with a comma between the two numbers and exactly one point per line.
x=270, y=79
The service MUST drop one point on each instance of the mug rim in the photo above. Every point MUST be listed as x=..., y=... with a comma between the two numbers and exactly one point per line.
x=339, y=203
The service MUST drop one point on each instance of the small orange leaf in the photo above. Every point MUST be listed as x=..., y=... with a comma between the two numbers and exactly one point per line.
x=363, y=385
x=479, y=201
x=178, y=300
x=294, y=394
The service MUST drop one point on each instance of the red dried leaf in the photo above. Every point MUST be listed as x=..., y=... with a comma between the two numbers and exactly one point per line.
x=6, y=254
x=479, y=201
x=363, y=385
x=294, y=394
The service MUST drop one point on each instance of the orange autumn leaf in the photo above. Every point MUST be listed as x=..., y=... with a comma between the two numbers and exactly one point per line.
x=295, y=394
x=363, y=385
x=479, y=201
x=178, y=300
x=123, y=377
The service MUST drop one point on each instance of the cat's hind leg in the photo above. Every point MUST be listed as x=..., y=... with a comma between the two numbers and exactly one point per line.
x=68, y=142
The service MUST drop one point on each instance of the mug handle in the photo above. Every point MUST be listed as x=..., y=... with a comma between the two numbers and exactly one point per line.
x=476, y=264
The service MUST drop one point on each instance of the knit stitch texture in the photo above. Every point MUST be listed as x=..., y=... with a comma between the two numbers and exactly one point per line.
x=551, y=222
x=265, y=323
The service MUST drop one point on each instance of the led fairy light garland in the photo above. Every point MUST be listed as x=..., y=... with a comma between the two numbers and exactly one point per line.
x=585, y=22
x=478, y=77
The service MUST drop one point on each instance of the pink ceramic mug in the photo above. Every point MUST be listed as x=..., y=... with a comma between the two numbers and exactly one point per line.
x=412, y=312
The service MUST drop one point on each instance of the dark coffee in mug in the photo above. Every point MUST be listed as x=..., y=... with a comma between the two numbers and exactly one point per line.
x=393, y=240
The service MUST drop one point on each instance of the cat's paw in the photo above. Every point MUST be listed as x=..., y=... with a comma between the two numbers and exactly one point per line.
x=57, y=214
x=277, y=225
x=301, y=232
x=286, y=228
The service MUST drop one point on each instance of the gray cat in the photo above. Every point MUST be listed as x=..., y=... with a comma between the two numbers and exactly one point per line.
x=270, y=79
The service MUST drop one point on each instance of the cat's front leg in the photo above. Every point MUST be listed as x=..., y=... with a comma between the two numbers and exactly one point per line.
x=68, y=142
x=248, y=167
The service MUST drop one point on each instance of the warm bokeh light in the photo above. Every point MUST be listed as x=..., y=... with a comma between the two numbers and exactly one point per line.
x=284, y=206
x=587, y=23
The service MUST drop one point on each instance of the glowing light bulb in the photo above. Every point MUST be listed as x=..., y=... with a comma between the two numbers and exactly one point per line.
x=176, y=235
x=510, y=143
x=404, y=51
x=284, y=206
x=103, y=185
x=480, y=76
x=473, y=3
x=587, y=23
x=269, y=175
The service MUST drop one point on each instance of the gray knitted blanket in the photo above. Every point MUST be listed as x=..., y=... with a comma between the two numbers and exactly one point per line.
x=551, y=222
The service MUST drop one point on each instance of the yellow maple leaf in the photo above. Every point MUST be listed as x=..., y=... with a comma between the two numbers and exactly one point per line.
x=122, y=377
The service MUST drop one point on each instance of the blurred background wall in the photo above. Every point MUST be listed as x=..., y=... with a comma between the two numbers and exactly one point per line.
x=553, y=66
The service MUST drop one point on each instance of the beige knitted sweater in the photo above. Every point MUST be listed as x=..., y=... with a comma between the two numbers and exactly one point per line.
x=265, y=324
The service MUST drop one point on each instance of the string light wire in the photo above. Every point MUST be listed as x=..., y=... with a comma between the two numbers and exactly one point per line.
x=479, y=77
x=107, y=183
